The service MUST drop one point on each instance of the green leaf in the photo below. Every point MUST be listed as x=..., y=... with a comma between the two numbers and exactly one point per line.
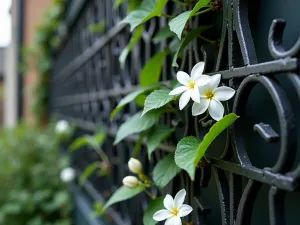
x=213, y=132
x=165, y=170
x=136, y=124
x=147, y=10
x=122, y=194
x=118, y=3
x=79, y=143
x=138, y=145
x=98, y=209
x=188, y=38
x=133, y=4
x=186, y=153
x=87, y=140
x=134, y=39
x=132, y=96
x=157, y=99
x=173, y=45
x=154, y=206
x=97, y=28
x=140, y=100
x=163, y=34
x=99, y=138
x=151, y=72
x=178, y=23
x=156, y=136
x=88, y=172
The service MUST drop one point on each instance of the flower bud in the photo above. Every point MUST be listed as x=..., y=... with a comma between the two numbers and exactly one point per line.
x=62, y=127
x=135, y=165
x=67, y=175
x=130, y=181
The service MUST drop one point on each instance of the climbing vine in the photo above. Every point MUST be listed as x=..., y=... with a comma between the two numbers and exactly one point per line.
x=197, y=89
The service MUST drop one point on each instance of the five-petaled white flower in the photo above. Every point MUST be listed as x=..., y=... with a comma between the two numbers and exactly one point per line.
x=211, y=95
x=174, y=209
x=190, y=85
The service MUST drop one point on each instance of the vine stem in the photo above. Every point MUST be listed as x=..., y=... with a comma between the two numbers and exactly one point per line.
x=206, y=39
x=167, y=16
x=175, y=111
x=102, y=154
x=207, y=160
x=149, y=194
x=204, y=11
x=204, y=118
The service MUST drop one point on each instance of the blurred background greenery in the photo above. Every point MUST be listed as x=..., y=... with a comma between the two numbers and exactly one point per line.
x=31, y=192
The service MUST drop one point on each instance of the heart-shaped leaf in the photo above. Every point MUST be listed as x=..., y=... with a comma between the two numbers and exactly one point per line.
x=186, y=153
x=156, y=136
x=165, y=170
x=137, y=124
x=132, y=96
x=157, y=99
x=178, y=23
x=122, y=194
x=147, y=10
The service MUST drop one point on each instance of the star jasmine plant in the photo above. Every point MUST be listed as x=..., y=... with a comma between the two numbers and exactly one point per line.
x=210, y=98
x=158, y=124
x=190, y=85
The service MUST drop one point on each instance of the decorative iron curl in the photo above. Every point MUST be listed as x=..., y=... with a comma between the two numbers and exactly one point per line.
x=275, y=41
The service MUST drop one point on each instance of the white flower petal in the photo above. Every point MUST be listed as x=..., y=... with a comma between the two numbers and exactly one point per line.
x=224, y=93
x=178, y=90
x=169, y=202
x=195, y=95
x=183, y=77
x=184, y=99
x=202, y=90
x=175, y=220
x=199, y=108
x=216, y=110
x=185, y=210
x=197, y=70
x=162, y=215
x=179, y=198
x=203, y=80
x=214, y=82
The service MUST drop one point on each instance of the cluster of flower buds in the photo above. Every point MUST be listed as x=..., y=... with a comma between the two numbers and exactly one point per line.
x=135, y=166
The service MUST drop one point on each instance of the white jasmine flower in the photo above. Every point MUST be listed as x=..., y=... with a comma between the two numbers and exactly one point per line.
x=211, y=95
x=175, y=209
x=67, y=175
x=135, y=166
x=130, y=181
x=62, y=127
x=190, y=85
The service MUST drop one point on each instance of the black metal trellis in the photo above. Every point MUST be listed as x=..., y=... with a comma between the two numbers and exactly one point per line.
x=254, y=177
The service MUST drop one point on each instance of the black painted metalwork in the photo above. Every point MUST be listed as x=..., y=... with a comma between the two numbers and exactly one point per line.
x=255, y=165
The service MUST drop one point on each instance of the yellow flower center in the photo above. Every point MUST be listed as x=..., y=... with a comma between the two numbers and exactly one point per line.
x=175, y=212
x=191, y=84
x=209, y=94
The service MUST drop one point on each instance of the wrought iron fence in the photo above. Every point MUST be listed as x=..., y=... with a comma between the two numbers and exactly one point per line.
x=254, y=177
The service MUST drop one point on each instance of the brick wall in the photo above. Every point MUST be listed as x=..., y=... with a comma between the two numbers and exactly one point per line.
x=33, y=14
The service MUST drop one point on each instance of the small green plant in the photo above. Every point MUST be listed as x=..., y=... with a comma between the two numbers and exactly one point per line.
x=103, y=166
x=31, y=192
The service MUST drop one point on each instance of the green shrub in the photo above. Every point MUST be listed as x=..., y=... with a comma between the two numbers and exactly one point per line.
x=31, y=192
